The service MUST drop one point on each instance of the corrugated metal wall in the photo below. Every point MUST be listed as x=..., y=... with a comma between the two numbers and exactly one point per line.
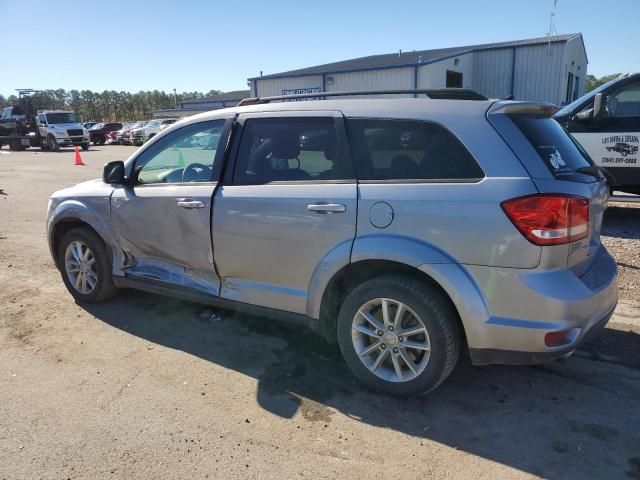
x=539, y=73
x=274, y=86
x=492, y=72
x=575, y=61
x=434, y=75
x=391, y=78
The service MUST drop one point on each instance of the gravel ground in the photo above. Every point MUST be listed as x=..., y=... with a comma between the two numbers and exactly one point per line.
x=621, y=235
x=150, y=387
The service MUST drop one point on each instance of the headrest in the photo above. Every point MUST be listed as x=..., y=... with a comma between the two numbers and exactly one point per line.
x=286, y=144
x=331, y=148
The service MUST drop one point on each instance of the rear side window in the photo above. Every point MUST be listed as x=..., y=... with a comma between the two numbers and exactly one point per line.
x=291, y=149
x=409, y=150
x=554, y=146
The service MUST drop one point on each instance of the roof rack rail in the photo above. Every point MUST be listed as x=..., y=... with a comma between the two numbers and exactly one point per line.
x=437, y=93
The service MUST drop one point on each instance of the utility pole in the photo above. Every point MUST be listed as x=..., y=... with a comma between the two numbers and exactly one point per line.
x=175, y=99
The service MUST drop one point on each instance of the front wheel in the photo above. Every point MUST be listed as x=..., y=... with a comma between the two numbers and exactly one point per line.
x=85, y=266
x=398, y=335
x=52, y=144
x=85, y=146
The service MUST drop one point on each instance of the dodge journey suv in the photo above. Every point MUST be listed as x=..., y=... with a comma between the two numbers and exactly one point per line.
x=405, y=229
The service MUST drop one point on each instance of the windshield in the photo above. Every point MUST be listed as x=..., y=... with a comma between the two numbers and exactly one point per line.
x=153, y=123
x=569, y=108
x=97, y=126
x=62, y=117
x=138, y=125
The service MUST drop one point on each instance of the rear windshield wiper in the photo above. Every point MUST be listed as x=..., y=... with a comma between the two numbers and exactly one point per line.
x=598, y=172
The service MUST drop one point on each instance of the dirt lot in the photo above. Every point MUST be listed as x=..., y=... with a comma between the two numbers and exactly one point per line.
x=148, y=387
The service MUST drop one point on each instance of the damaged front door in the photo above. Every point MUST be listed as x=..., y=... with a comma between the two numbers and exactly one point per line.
x=162, y=220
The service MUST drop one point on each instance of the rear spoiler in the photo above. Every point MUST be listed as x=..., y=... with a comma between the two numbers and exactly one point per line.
x=524, y=108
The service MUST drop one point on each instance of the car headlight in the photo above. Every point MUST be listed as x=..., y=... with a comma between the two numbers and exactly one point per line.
x=60, y=133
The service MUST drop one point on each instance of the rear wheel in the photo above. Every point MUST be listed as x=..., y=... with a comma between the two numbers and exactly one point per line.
x=398, y=335
x=85, y=266
x=16, y=145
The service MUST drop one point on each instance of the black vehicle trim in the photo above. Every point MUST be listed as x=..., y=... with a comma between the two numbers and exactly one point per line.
x=192, y=295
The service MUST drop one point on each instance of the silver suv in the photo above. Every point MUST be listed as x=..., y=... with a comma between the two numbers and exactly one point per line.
x=406, y=229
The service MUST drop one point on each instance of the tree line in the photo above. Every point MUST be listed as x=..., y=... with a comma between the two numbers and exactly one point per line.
x=592, y=82
x=109, y=105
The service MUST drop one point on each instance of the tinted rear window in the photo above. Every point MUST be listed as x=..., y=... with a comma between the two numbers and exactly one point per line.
x=409, y=150
x=554, y=146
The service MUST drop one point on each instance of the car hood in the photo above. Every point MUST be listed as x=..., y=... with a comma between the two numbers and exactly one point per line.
x=66, y=125
x=90, y=188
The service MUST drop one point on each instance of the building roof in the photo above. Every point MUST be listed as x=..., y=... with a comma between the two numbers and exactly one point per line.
x=420, y=57
x=221, y=97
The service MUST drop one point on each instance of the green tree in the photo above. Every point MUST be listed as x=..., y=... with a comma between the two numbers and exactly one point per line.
x=591, y=82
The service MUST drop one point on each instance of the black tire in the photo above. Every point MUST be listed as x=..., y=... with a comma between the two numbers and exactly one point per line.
x=85, y=146
x=101, y=140
x=16, y=146
x=434, y=310
x=104, y=287
x=52, y=144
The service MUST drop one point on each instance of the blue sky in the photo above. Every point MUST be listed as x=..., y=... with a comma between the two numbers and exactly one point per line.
x=204, y=45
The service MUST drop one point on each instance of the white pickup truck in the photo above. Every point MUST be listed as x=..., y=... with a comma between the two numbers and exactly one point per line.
x=59, y=128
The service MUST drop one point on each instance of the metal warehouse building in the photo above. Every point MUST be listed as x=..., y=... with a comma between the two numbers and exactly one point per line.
x=549, y=69
x=199, y=105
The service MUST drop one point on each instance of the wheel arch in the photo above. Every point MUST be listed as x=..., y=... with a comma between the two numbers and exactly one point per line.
x=73, y=214
x=354, y=274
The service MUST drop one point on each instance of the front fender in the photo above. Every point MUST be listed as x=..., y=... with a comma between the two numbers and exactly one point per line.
x=95, y=215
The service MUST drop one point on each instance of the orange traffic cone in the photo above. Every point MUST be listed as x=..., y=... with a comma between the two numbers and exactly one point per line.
x=78, y=160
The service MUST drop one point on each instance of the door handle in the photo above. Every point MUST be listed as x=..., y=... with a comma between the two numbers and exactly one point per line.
x=189, y=204
x=326, y=207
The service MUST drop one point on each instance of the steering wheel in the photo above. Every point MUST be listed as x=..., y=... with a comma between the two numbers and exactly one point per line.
x=195, y=172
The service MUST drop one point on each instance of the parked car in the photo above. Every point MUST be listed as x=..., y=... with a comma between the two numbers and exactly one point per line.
x=606, y=123
x=150, y=130
x=99, y=132
x=123, y=134
x=474, y=223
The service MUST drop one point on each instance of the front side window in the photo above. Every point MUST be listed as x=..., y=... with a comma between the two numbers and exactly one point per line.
x=625, y=103
x=409, y=150
x=187, y=155
x=291, y=149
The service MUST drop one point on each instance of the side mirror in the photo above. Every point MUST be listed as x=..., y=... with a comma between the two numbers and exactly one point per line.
x=598, y=105
x=113, y=173
x=583, y=116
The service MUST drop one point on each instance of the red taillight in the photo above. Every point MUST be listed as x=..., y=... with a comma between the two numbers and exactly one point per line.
x=549, y=219
x=556, y=339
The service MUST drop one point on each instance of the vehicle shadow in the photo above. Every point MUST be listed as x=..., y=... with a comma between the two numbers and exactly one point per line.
x=621, y=222
x=575, y=419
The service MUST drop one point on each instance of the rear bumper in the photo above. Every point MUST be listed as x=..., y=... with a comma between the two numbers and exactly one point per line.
x=507, y=312
x=488, y=356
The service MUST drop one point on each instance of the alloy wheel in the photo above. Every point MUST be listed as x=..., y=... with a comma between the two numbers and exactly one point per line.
x=80, y=265
x=391, y=340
